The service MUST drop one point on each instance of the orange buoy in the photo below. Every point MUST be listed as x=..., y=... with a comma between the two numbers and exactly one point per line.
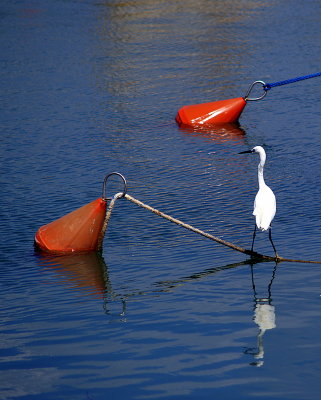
x=216, y=112
x=81, y=230
x=78, y=231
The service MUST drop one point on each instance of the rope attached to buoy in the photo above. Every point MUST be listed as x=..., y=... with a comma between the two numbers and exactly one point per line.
x=216, y=239
x=110, y=207
x=267, y=86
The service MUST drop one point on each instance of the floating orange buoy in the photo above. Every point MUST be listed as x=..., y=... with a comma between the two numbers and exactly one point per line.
x=216, y=112
x=81, y=230
x=227, y=111
x=78, y=231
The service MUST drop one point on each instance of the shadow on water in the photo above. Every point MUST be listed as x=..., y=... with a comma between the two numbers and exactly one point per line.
x=88, y=274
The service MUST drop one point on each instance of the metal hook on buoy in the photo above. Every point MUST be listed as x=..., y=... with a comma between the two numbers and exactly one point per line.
x=104, y=197
x=247, y=98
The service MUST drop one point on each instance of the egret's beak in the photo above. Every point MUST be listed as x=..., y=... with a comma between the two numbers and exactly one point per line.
x=246, y=151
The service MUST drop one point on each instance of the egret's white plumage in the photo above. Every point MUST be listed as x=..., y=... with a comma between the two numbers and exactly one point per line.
x=265, y=202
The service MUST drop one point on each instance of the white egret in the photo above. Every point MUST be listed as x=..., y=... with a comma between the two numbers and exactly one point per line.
x=264, y=203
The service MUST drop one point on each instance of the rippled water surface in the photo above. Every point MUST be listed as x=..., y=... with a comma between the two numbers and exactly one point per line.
x=91, y=87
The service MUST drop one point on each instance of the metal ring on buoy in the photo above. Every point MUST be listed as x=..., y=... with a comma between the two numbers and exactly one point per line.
x=247, y=98
x=104, y=197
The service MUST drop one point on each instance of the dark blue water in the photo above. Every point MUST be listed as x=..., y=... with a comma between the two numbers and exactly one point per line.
x=92, y=87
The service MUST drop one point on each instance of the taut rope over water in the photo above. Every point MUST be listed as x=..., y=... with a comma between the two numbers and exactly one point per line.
x=196, y=230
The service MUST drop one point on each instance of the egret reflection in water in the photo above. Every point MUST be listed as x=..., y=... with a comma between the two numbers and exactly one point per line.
x=264, y=317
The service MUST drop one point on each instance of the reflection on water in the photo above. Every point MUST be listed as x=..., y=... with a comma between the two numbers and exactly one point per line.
x=264, y=311
x=219, y=133
x=88, y=274
x=85, y=272
x=168, y=285
x=264, y=317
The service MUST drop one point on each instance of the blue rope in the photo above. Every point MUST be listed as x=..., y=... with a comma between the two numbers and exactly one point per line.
x=269, y=86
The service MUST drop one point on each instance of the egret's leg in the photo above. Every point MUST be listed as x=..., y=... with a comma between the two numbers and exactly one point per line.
x=254, y=234
x=270, y=237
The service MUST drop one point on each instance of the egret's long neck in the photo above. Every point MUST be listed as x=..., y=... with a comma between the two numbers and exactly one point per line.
x=260, y=169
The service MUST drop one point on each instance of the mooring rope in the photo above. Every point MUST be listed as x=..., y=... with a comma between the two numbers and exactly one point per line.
x=193, y=229
x=184, y=225
x=110, y=206
x=268, y=86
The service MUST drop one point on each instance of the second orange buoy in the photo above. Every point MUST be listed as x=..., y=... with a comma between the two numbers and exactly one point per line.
x=216, y=112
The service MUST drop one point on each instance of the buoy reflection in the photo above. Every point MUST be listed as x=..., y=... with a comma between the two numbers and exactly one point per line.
x=219, y=133
x=85, y=272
